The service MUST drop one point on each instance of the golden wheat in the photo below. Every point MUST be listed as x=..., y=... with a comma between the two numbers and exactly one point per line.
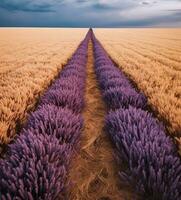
x=29, y=60
x=151, y=58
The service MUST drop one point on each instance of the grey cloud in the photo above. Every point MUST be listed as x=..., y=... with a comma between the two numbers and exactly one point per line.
x=169, y=20
x=148, y=2
x=82, y=1
x=85, y=13
x=26, y=5
x=175, y=10
x=145, y=3
x=112, y=7
x=99, y=6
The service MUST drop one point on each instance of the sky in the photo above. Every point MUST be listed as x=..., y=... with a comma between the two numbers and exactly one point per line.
x=90, y=13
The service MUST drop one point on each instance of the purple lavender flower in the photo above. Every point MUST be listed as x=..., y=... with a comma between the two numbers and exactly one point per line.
x=115, y=83
x=35, y=168
x=101, y=60
x=118, y=97
x=64, y=99
x=104, y=68
x=153, y=164
x=36, y=165
x=59, y=122
x=154, y=167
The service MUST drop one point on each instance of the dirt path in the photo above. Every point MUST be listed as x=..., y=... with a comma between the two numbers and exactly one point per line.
x=93, y=173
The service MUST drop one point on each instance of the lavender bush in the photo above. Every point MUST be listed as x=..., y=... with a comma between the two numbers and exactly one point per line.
x=114, y=82
x=68, y=81
x=153, y=164
x=36, y=165
x=118, y=97
x=64, y=98
x=116, y=89
x=104, y=68
x=35, y=168
x=59, y=122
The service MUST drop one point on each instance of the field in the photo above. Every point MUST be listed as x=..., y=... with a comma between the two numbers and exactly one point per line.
x=90, y=118
x=29, y=61
x=152, y=59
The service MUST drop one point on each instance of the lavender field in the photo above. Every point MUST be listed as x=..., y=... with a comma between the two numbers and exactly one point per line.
x=91, y=133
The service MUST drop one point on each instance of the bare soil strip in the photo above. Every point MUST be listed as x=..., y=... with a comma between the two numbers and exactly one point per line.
x=94, y=174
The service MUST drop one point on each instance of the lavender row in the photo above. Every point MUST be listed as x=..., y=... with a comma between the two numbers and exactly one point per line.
x=36, y=165
x=153, y=165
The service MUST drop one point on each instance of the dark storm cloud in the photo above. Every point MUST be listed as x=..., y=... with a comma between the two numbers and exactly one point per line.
x=145, y=2
x=26, y=6
x=98, y=6
x=148, y=2
x=82, y=1
x=85, y=13
x=150, y=22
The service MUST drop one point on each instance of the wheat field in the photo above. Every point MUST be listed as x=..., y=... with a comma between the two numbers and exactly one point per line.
x=152, y=59
x=29, y=61
x=74, y=118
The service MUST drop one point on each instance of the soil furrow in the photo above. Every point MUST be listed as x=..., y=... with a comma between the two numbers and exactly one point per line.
x=94, y=174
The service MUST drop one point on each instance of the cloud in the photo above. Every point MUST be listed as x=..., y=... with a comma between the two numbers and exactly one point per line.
x=106, y=5
x=99, y=6
x=27, y=5
x=82, y=1
x=169, y=20
x=85, y=13
x=147, y=2
x=175, y=10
